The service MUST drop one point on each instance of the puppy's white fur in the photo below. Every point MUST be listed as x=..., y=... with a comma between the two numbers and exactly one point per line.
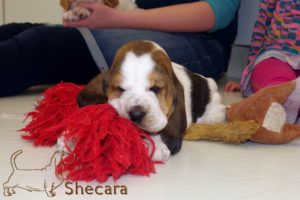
x=215, y=111
x=162, y=152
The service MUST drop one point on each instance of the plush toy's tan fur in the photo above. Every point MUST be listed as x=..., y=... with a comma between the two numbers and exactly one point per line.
x=233, y=132
x=265, y=108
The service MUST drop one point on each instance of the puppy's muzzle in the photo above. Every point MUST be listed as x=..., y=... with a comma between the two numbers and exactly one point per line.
x=137, y=114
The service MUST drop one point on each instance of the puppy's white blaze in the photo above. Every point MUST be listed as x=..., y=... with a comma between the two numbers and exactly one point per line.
x=186, y=83
x=215, y=110
x=135, y=71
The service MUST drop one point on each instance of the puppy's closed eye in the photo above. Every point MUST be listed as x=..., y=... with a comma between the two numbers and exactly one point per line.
x=155, y=89
x=120, y=89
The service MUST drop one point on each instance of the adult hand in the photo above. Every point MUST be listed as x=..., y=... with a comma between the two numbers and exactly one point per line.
x=101, y=16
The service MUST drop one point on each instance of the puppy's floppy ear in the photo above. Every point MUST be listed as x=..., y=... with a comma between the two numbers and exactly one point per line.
x=111, y=3
x=95, y=91
x=172, y=134
x=66, y=4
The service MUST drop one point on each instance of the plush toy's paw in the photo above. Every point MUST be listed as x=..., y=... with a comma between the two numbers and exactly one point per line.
x=275, y=118
x=76, y=14
x=161, y=152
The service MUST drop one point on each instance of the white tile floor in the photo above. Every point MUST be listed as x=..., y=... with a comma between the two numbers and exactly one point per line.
x=202, y=170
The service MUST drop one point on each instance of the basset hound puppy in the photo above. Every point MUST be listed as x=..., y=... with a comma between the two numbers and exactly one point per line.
x=73, y=12
x=159, y=96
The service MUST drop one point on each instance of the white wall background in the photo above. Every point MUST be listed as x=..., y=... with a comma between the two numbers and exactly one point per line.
x=247, y=16
x=1, y=12
x=32, y=11
x=239, y=56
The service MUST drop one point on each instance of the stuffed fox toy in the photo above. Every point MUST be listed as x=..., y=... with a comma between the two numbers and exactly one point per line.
x=270, y=116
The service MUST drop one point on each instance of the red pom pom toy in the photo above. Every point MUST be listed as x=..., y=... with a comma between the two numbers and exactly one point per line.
x=103, y=143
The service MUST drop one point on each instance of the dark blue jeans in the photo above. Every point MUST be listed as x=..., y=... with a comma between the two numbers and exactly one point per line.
x=200, y=53
x=32, y=54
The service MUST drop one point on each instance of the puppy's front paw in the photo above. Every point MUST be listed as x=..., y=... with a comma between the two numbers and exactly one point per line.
x=81, y=12
x=161, y=153
x=70, y=16
x=76, y=14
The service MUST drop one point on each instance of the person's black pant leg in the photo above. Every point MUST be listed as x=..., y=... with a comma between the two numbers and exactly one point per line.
x=42, y=55
x=8, y=31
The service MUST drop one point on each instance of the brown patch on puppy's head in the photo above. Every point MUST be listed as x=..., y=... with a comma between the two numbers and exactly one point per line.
x=171, y=101
x=115, y=90
x=162, y=79
x=137, y=47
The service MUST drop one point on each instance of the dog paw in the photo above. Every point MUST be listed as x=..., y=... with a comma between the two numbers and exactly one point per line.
x=81, y=12
x=70, y=16
x=76, y=14
x=161, y=153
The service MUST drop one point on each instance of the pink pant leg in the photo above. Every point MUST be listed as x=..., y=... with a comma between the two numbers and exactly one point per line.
x=271, y=71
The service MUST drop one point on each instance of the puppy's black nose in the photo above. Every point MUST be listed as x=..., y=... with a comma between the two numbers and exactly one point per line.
x=137, y=114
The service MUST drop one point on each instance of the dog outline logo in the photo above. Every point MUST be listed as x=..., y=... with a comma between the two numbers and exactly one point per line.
x=48, y=182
